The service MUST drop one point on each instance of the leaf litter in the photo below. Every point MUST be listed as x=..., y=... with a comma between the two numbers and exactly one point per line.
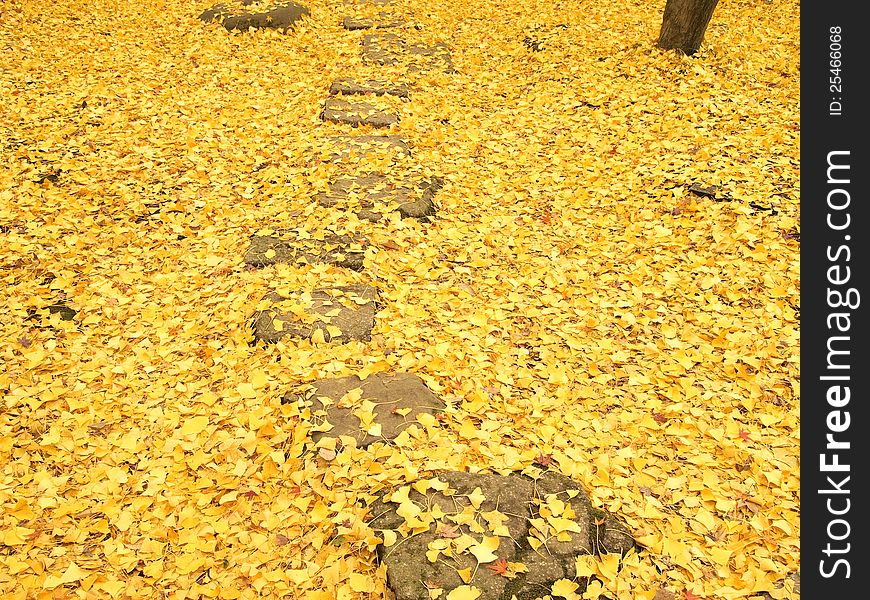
x=576, y=301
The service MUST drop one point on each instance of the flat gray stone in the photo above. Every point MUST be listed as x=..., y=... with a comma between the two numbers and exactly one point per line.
x=526, y=507
x=295, y=246
x=390, y=49
x=282, y=16
x=380, y=21
x=340, y=313
x=43, y=314
x=348, y=149
x=336, y=110
x=397, y=398
x=349, y=86
x=376, y=194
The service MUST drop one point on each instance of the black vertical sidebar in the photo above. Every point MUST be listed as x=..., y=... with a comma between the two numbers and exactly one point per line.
x=835, y=368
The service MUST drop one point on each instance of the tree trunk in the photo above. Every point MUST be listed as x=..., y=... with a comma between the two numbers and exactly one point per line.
x=684, y=24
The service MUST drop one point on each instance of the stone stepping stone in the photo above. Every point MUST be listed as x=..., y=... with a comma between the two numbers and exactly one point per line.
x=538, y=527
x=381, y=21
x=346, y=149
x=281, y=16
x=378, y=194
x=376, y=408
x=336, y=314
x=336, y=110
x=39, y=316
x=297, y=246
x=390, y=49
x=349, y=86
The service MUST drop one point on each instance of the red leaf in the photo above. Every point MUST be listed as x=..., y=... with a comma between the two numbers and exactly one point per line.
x=690, y=595
x=744, y=435
x=499, y=567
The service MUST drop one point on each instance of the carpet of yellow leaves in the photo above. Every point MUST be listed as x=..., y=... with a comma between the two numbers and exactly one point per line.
x=571, y=299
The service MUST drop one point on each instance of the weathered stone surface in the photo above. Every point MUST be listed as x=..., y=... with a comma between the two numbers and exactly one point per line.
x=347, y=149
x=282, y=16
x=292, y=246
x=393, y=400
x=337, y=314
x=380, y=21
x=520, y=500
x=336, y=110
x=390, y=49
x=376, y=194
x=348, y=86
x=65, y=312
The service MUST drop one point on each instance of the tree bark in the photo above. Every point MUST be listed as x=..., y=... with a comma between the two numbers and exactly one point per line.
x=684, y=24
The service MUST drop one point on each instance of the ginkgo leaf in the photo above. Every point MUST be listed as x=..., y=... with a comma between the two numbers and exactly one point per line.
x=194, y=425
x=484, y=551
x=565, y=588
x=389, y=536
x=464, y=592
x=476, y=497
x=465, y=574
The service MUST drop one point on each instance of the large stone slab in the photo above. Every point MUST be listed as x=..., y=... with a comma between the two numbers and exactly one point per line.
x=339, y=314
x=475, y=520
x=349, y=86
x=282, y=16
x=373, y=409
x=350, y=149
x=336, y=110
x=297, y=246
x=41, y=316
x=379, y=21
x=376, y=194
x=390, y=49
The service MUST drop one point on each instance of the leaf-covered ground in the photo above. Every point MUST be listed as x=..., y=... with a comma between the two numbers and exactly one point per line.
x=572, y=300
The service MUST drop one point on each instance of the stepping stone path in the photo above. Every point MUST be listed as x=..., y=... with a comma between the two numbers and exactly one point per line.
x=336, y=110
x=443, y=532
x=374, y=409
x=282, y=16
x=350, y=86
x=376, y=194
x=390, y=49
x=340, y=313
x=295, y=246
x=468, y=521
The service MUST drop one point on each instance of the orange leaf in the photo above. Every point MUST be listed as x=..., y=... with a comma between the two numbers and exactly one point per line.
x=499, y=567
